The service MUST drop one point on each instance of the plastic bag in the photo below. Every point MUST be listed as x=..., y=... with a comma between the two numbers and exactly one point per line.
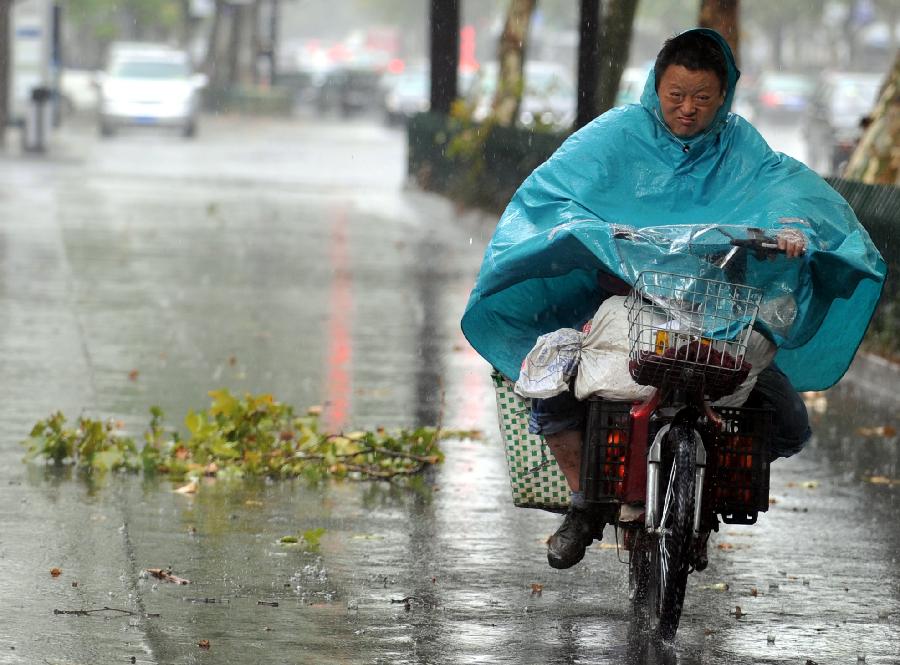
x=550, y=366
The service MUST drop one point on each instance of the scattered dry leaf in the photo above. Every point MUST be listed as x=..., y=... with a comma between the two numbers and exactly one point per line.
x=816, y=402
x=881, y=430
x=55, y=572
x=754, y=591
x=133, y=375
x=720, y=586
x=537, y=589
x=232, y=360
x=74, y=585
x=708, y=631
x=806, y=484
x=737, y=612
x=166, y=576
x=190, y=488
x=772, y=500
x=725, y=546
x=203, y=644
x=883, y=480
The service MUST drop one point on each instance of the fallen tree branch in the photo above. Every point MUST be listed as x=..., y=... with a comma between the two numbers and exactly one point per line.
x=375, y=472
x=84, y=613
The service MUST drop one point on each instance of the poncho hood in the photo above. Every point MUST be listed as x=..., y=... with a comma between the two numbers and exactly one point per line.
x=650, y=97
x=624, y=194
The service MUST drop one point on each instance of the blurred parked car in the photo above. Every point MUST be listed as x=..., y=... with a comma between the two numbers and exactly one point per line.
x=149, y=86
x=833, y=125
x=349, y=89
x=548, y=100
x=77, y=92
x=406, y=94
x=781, y=96
x=631, y=85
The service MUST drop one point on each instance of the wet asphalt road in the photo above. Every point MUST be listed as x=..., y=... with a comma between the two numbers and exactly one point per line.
x=289, y=257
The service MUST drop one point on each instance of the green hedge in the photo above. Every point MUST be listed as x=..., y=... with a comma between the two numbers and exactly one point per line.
x=271, y=101
x=878, y=208
x=481, y=166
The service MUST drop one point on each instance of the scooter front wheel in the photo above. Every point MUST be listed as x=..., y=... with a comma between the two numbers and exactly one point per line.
x=660, y=561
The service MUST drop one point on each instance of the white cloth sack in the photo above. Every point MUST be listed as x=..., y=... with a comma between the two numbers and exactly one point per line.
x=603, y=369
x=598, y=360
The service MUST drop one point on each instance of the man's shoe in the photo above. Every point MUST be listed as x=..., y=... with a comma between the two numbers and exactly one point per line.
x=566, y=547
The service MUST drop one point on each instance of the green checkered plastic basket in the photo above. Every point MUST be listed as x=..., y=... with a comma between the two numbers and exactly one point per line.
x=534, y=475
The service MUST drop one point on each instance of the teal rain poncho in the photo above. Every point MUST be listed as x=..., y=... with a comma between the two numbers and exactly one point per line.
x=624, y=194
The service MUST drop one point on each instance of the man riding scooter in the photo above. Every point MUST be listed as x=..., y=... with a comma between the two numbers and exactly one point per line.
x=677, y=158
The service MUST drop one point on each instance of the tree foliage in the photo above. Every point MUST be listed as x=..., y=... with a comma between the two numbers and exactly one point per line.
x=108, y=20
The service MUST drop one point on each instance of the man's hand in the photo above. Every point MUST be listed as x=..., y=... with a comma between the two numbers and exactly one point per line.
x=792, y=242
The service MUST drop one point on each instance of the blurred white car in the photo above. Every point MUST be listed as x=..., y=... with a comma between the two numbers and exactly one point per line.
x=406, y=94
x=77, y=92
x=548, y=99
x=151, y=86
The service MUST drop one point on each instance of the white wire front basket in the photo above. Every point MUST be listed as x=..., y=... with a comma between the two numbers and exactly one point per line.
x=690, y=332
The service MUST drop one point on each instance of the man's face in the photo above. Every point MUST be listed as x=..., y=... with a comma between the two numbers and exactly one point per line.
x=689, y=99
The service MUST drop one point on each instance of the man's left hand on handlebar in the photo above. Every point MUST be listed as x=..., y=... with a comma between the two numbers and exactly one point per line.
x=791, y=242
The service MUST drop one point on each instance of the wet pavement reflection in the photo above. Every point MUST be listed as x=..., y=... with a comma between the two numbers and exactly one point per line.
x=146, y=271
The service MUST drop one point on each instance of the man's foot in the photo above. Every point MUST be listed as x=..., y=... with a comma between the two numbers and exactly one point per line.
x=566, y=547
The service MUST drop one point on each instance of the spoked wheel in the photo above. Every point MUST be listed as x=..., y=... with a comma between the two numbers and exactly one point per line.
x=660, y=561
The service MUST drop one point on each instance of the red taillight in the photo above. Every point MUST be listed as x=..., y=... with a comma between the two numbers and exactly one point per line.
x=770, y=98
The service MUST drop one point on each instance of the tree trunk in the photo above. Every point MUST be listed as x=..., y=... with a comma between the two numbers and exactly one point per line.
x=210, y=65
x=615, y=43
x=510, y=80
x=876, y=160
x=5, y=55
x=588, y=62
x=186, y=26
x=235, y=37
x=722, y=16
x=255, y=42
x=444, y=49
